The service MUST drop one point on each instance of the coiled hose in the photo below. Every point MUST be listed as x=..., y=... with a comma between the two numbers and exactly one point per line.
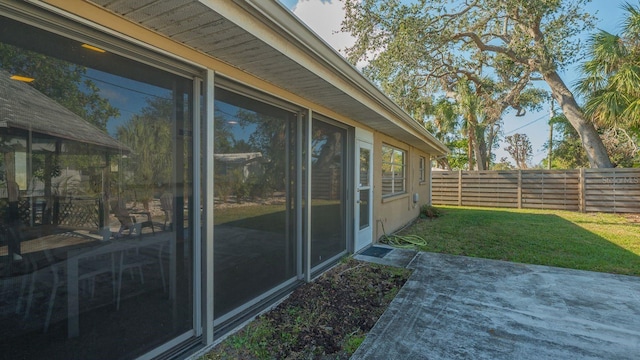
x=403, y=241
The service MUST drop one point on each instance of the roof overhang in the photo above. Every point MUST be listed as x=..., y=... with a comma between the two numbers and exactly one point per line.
x=266, y=40
x=25, y=108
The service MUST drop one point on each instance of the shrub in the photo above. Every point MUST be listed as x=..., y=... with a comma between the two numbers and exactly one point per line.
x=428, y=211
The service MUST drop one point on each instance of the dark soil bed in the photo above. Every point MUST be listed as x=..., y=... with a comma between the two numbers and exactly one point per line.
x=327, y=318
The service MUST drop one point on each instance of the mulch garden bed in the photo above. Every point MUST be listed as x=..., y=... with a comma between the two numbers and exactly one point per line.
x=327, y=318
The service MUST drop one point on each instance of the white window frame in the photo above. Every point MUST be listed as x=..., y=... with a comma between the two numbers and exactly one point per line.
x=422, y=170
x=394, y=178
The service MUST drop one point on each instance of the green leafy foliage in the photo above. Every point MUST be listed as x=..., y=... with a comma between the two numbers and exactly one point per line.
x=61, y=81
x=611, y=85
x=429, y=211
x=483, y=54
x=567, y=152
x=520, y=149
x=611, y=76
x=149, y=135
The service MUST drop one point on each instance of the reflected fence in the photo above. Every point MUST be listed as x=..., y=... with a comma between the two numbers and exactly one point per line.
x=584, y=190
x=79, y=212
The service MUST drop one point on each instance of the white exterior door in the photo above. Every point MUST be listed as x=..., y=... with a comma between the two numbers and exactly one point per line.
x=364, y=191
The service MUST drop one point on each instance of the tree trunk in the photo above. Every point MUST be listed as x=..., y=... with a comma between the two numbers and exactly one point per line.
x=491, y=138
x=478, y=152
x=591, y=141
x=481, y=150
x=443, y=163
x=471, y=137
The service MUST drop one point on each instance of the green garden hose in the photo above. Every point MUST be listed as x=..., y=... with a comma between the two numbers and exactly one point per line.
x=403, y=241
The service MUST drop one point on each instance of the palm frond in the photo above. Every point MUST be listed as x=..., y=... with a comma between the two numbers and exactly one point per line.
x=631, y=115
x=631, y=23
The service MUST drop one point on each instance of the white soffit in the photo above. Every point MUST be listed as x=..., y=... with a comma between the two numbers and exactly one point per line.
x=264, y=39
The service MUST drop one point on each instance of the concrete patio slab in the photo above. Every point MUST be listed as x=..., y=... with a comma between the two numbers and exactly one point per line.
x=456, y=307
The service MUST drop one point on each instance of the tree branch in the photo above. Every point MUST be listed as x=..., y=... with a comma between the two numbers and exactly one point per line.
x=491, y=48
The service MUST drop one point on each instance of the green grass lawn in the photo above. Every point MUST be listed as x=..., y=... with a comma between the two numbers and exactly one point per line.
x=591, y=241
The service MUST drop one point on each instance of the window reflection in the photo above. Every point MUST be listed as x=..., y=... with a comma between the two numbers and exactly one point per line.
x=364, y=167
x=328, y=204
x=393, y=171
x=94, y=213
x=254, y=244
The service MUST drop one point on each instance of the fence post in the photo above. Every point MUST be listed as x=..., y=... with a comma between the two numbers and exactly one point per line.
x=459, y=187
x=582, y=191
x=519, y=189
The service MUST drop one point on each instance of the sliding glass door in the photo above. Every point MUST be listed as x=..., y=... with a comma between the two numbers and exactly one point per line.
x=96, y=202
x=255, y=248
x=328, y=191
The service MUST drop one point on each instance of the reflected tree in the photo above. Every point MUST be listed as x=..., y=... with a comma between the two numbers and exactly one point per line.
x=327, y=148
x=269, y=138
x=61, y=81
x=148, y=134
x=327, y=144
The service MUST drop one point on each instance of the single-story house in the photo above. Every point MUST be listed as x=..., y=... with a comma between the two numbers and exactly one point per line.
x=248, y=154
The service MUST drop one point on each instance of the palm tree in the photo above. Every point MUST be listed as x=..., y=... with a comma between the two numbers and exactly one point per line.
x=611, y=78
x=469, y=105
x=443, y=125
x=467, y=113
x=149, y=135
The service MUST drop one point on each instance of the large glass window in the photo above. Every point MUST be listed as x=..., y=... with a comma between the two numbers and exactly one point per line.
x=95, y=210
x=254, y=211
x=328, y=195
x=393, y=171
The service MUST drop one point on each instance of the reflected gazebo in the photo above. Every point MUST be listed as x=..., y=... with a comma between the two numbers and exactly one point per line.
x=53, y=154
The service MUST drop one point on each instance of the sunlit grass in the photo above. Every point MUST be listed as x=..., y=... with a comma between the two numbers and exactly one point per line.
x=592, y=241
x=224, y=215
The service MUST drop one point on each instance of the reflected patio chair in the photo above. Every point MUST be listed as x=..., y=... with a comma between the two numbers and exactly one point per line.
x=128, y=220
x=166, y=204
x=10, y=239
x=53, y=274
x=136, y=258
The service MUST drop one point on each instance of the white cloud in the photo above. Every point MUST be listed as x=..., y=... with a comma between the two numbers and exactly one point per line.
x=325, y=18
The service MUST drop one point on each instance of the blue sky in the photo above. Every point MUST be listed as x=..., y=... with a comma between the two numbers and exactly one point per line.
x=317, y=14
x=289, y=3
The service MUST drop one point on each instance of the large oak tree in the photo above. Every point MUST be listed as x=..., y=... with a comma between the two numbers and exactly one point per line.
x=417, y=48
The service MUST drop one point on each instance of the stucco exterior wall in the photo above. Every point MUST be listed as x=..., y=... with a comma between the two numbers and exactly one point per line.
x=391, y=213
